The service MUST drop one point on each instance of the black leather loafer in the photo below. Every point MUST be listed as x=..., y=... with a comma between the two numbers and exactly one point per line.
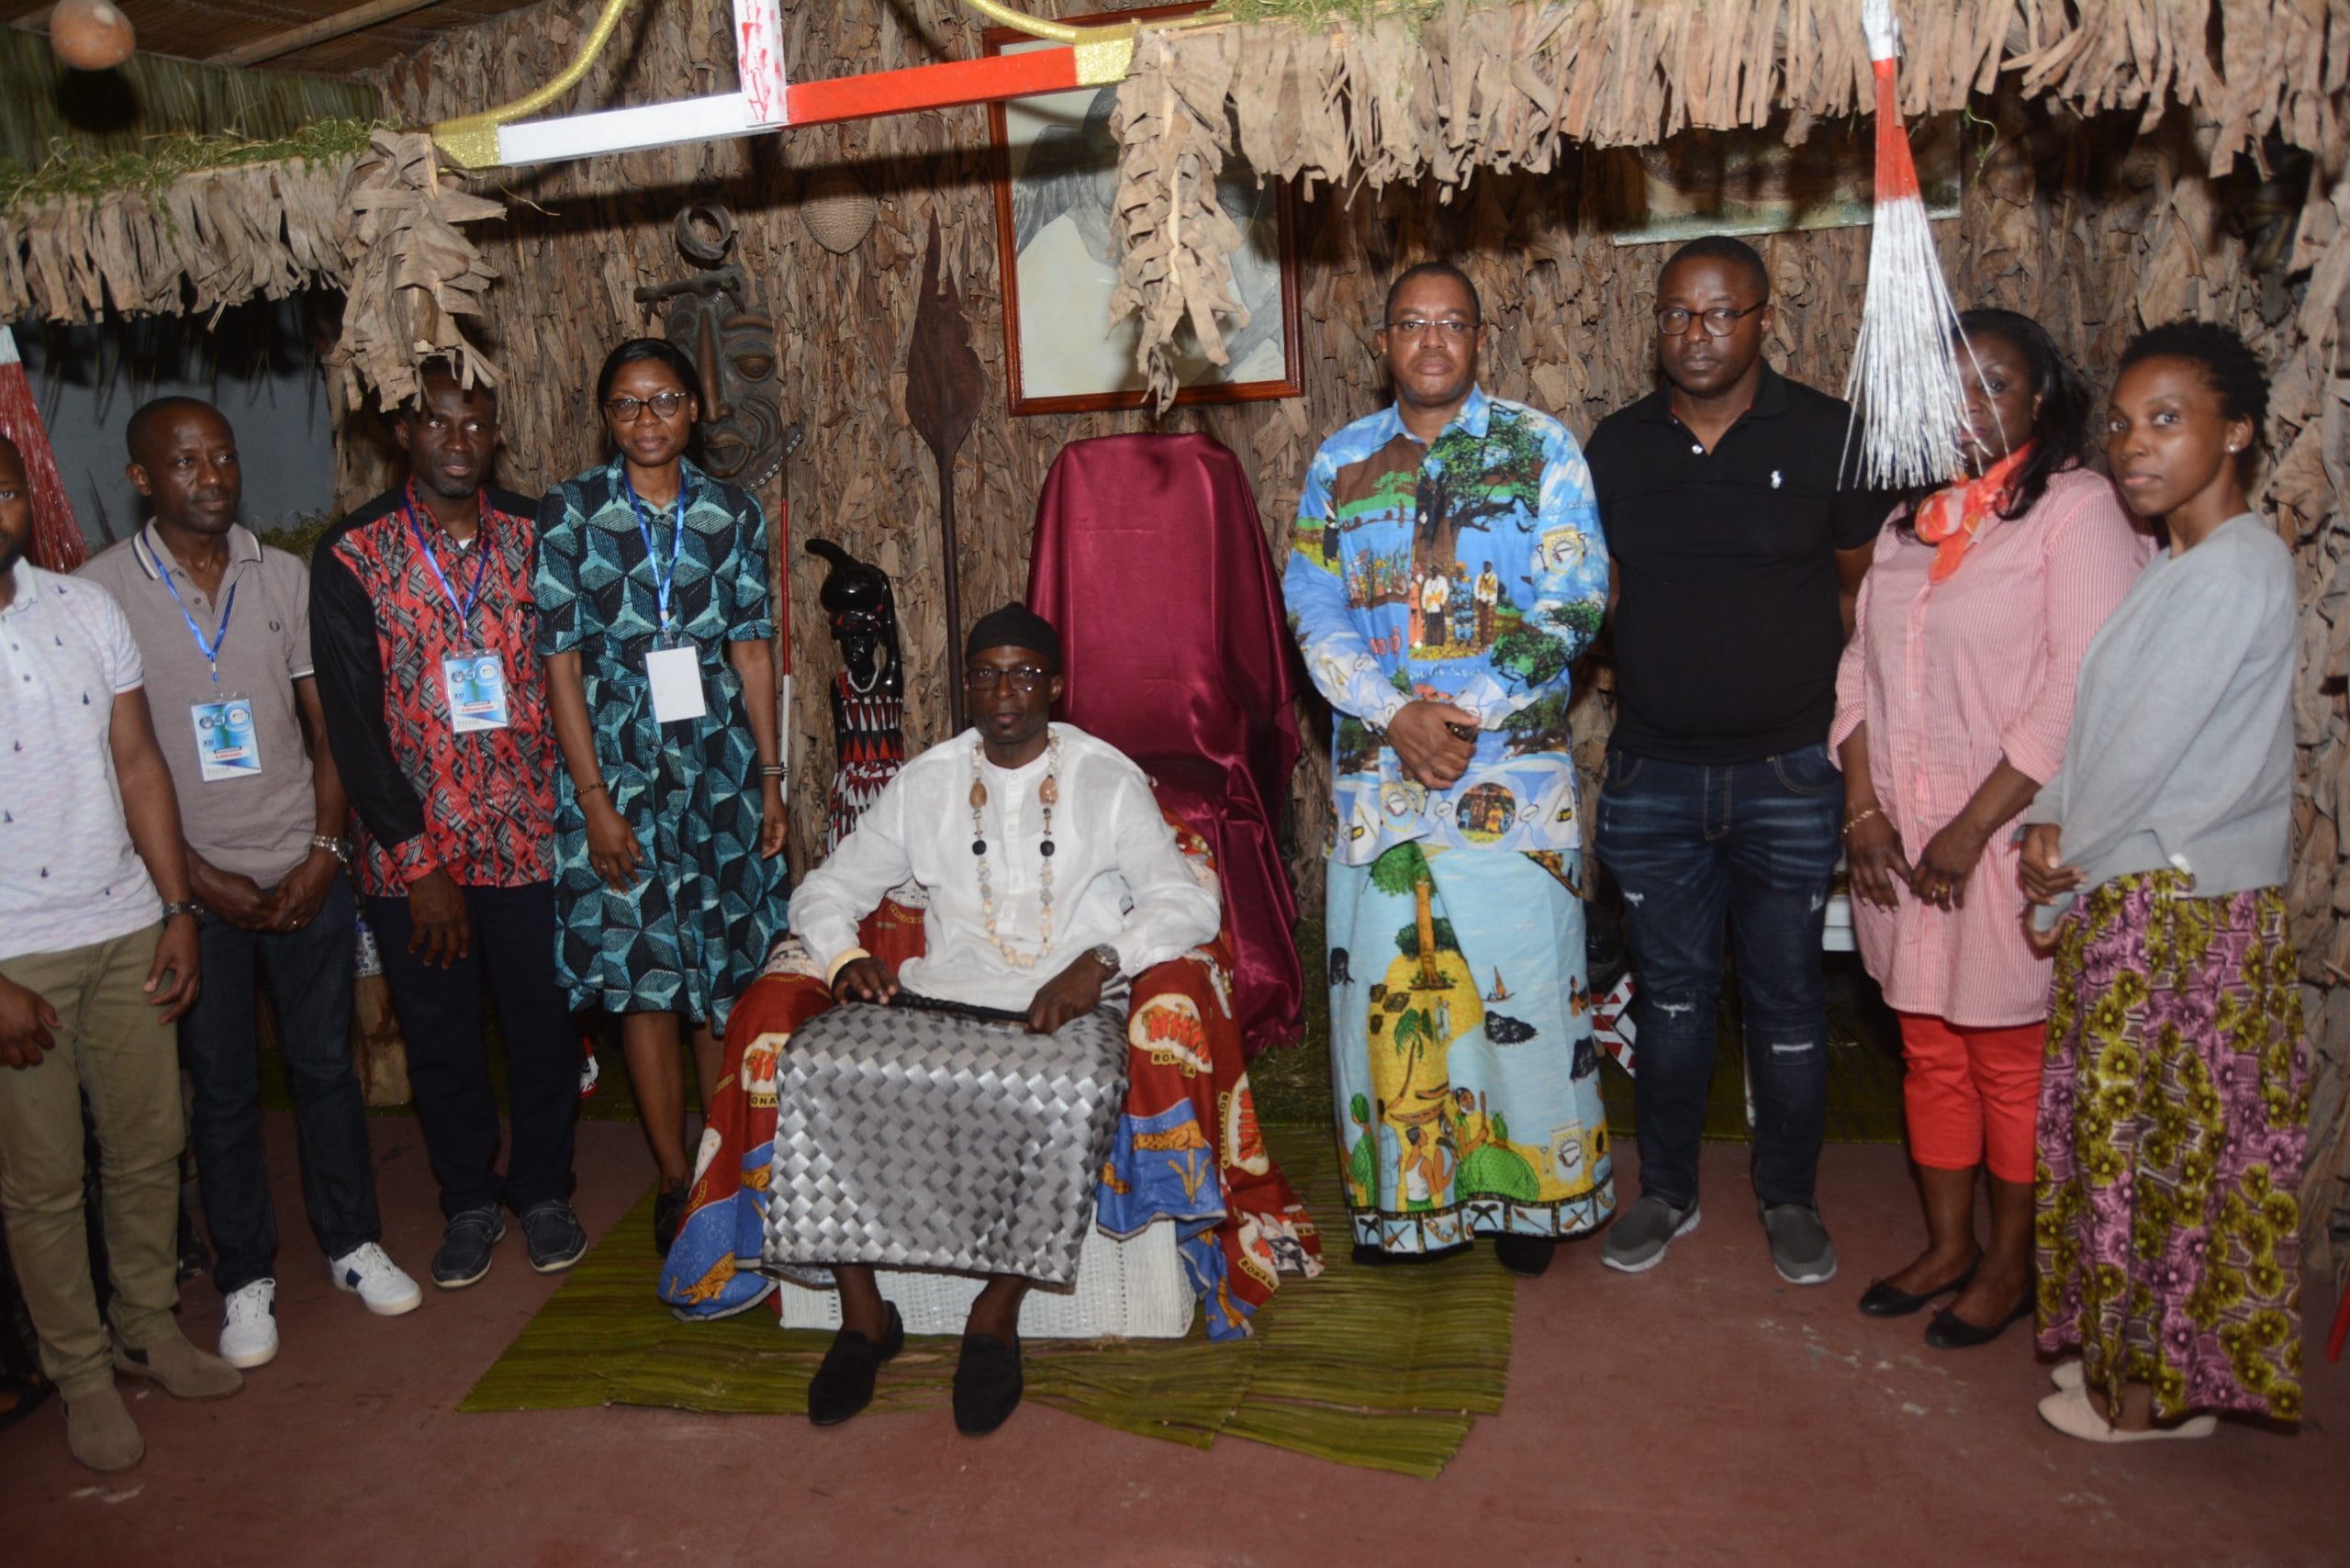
x=1949, y=1331
x=987, y=1384
x=844, y=1382
x=1527, y=1255
x=1881, y=1300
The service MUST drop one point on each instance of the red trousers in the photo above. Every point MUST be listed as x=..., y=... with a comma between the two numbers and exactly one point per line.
x=1973, y=1094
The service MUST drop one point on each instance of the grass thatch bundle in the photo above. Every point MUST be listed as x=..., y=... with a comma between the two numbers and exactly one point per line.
x=1379, y=91
x=411, y=272
x=198, y=222
x=55, y=111
x=189, y=244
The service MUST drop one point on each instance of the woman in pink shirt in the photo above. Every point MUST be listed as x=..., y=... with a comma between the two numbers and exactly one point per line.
x=1953, y=702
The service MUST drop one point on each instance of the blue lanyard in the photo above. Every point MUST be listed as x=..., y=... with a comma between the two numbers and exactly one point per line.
x=662, y=581
x=211, y=650
x=464, y=607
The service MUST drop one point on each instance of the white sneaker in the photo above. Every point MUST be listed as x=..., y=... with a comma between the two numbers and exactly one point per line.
x=377, y=1280
x=249, y=1331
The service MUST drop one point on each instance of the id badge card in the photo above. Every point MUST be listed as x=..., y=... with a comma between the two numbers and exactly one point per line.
x=675, y=675
x=476, y=684
x=225, y=745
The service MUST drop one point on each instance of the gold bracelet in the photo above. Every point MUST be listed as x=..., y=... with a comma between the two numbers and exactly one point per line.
x=1857, y=818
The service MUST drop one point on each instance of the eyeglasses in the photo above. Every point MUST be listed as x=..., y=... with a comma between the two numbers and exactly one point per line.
x=628, y=410
x=1671, y=321
x=1021, y=677
x=1417, y=327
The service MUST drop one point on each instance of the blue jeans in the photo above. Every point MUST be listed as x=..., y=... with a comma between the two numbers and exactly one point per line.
x=1756, y=842
x=309, y=974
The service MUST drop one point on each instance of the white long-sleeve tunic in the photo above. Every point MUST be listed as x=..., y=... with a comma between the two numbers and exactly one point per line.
x=1118, y=877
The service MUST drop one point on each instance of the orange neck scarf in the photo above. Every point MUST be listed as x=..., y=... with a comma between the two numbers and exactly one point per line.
x=1952, y=516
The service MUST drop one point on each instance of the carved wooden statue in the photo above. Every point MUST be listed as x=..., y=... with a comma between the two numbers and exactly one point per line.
x=869, y=695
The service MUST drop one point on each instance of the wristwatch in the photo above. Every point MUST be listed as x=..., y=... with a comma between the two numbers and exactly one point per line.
x=1107, y=956
x=334, y=846
x=188, y=907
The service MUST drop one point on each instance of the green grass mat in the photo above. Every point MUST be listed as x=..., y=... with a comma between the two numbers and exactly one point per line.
x=1384, y=1369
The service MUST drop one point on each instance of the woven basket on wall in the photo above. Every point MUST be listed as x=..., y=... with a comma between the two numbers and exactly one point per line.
x=838, y=211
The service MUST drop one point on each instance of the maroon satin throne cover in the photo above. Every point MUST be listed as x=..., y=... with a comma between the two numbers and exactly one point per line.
x=1151, y=562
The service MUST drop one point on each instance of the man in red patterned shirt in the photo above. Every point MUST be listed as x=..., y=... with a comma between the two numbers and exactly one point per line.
x=421, y=630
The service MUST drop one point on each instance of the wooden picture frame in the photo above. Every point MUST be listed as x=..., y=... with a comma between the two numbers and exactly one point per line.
x=1067, y=241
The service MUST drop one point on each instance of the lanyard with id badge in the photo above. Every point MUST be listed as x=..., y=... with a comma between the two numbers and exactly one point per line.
x=226, y=746
x=473, y=679
x=672, y=667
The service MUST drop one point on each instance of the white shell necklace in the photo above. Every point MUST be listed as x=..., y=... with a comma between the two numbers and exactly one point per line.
x=1049, y=795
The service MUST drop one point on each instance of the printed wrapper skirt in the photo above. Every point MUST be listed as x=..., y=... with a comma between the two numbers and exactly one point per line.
x=913, y=1139
x=2174, y=1121
x=1466, y=1079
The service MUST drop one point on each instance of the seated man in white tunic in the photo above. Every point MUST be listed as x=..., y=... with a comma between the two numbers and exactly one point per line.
x=919, y=1138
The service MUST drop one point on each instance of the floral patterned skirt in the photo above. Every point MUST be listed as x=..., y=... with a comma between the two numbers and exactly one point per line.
x=2174, y=1120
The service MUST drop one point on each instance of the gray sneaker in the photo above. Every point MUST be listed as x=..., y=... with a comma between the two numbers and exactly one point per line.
x=553, y=1235
x=1636, y=1241
x=464, y=1257
x=1799, y=1243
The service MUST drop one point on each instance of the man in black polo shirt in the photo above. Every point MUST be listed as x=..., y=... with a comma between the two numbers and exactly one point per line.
x=1734, y=548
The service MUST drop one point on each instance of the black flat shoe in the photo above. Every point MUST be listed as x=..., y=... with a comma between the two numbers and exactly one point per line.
x=1949, y=1331
x=1527, y=1255
x=987, y=1384
x=844, y=1382
x=669, y=1214
x=1881, y=1300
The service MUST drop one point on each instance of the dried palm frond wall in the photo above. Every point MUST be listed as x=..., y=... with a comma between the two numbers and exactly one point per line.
x=2092, y=227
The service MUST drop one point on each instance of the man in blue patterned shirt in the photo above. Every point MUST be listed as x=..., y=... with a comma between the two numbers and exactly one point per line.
x=1447, y=569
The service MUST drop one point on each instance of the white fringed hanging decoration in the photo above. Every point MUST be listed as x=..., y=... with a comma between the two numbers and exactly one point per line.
x=1904, y=384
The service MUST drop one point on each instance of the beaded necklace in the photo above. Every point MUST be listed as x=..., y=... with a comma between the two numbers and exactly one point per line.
x=1049, y=795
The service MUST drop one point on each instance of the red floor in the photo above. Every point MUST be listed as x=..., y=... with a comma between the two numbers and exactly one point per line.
x=1704, y=1412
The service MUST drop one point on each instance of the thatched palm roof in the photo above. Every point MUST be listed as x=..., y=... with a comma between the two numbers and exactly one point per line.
x=1344, y=92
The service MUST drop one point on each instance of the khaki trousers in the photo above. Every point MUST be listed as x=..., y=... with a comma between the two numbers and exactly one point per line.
x=113, y=1048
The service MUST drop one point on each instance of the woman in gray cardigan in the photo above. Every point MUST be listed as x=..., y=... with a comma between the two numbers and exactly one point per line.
x=2174, y=1110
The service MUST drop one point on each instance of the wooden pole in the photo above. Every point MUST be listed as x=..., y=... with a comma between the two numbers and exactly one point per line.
x=357, y=19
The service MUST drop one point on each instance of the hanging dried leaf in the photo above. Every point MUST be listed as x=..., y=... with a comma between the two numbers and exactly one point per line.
x=412, y=271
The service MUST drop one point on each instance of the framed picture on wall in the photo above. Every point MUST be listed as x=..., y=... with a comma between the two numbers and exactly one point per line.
x=1750, y=182
x=1055, y=185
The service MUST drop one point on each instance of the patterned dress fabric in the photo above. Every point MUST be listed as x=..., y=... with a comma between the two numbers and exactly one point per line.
x=1471, y=570
x=689, y=935
x=1186, y=1146
x=1470, y=1104
x=479, y=805
x=2173, y=1122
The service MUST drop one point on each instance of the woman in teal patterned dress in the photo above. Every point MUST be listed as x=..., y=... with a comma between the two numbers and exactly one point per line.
x=659, y=637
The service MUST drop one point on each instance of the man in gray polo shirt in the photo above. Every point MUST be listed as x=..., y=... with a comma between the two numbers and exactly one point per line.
x=223, y=627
